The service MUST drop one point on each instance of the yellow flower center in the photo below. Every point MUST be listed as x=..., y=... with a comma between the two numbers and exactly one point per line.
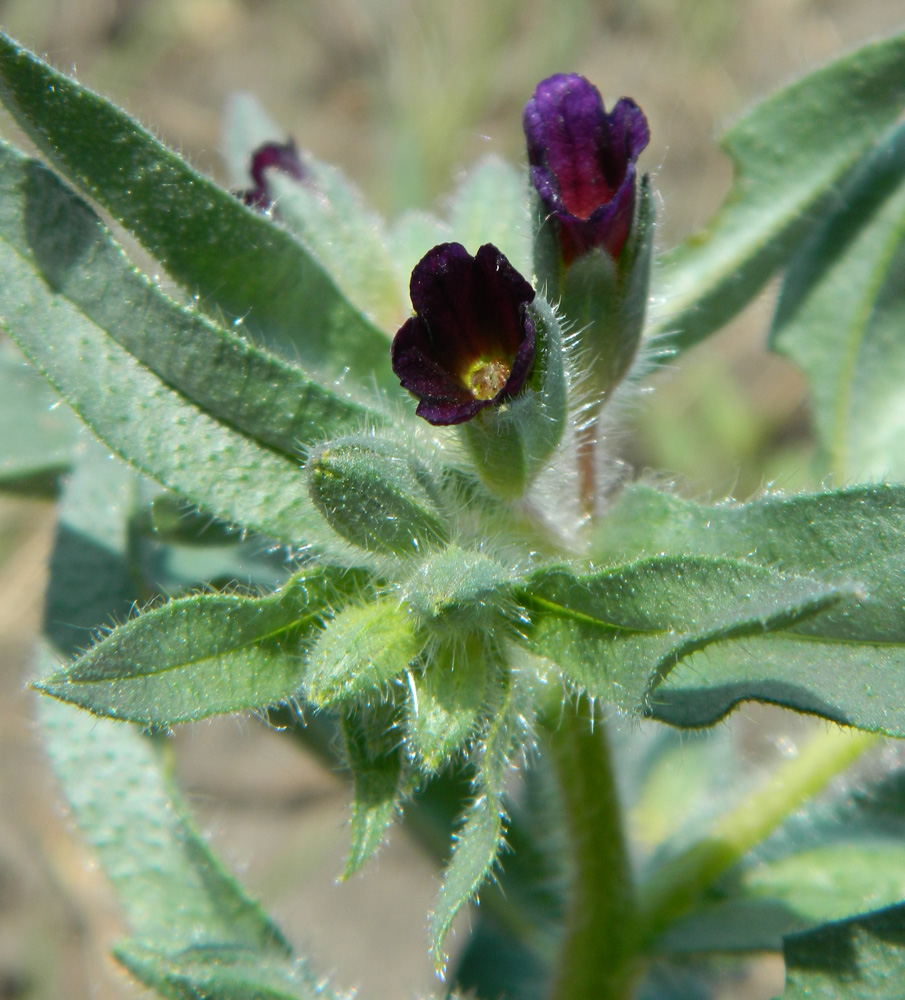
x=486, y=377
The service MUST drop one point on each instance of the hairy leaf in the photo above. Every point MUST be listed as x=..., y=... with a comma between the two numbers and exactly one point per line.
x=845, y=663
x=858, y=959
x=491, y=206
x=204, y=655
x=144, y=419
x=237, y=261
x=46, y=224
x=39, y=435
x=510, y=712
x=789, y=153
x=221, y=971
x=617, y=634
x=841, y=315
x=373, y=753
x=174, y=892
x=446, y=704
x=360, y=651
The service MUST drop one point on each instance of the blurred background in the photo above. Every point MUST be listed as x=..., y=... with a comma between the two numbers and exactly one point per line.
x=403, y=95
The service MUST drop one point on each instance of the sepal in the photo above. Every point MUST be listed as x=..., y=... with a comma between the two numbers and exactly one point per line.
x=605, y=300
x=512, y=443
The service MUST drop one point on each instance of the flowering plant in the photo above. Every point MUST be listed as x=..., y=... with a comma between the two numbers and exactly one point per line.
x=427, y=575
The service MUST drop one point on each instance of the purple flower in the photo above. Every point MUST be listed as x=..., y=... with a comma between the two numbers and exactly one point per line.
x=583, y=162
x=271, y=156
x=471, y=342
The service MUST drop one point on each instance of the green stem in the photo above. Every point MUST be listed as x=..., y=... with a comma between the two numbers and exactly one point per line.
x=596, y=961
x=682, y=880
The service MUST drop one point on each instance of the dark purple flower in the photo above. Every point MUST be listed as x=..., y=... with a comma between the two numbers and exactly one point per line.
x=583, y=162
x=471, y=342
x=271, y=156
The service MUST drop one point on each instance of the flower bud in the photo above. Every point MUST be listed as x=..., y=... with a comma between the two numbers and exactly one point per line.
x=271, y=156
x=376, y=495
x=593, y=234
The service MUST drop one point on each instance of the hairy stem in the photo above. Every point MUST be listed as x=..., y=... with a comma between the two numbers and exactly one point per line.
x=596, y=961
x=587, y=468
x=673, y=889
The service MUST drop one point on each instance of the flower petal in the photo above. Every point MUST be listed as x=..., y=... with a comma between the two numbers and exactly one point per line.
x=470, y=315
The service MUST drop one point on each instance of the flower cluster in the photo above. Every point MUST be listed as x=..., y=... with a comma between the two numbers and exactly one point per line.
x=471, y=343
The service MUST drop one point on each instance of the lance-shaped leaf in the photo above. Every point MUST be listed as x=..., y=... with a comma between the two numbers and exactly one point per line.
x=617, y=634
x=237, y=261
x=374, y=756
x=190, y=447
x=221, y=972
x=789, y=153
x=204, y=655
x=360, y=651
x=858, y=959
x=47, y=224
x=39, y=435
x=841, y=315
x=329, y=216
x=173, y=890
x=845, y=663
x=510, y=715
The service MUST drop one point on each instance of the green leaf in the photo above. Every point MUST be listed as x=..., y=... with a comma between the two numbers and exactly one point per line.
x=617, y=634
x=326, y=212
x=477, y=844
x=330, y=218
x=173, y=891
x=789, y=152
x=412, y=235
x=204, y=655
x=458, y=590
x=845, y=664
x=221, y=972
x=373, y=753
x=360, y=652
x=840, y=317
x=46, y=224
x=446, y=702
x=491, y=206
x=235, y=260
x=91, y=581
x=858, y=959
x=510, y=715
x=840, y=855
x=38, y=434
x=144, y=419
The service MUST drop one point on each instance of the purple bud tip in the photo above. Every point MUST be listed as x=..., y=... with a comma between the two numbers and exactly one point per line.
x=471, y=343
x=271, y=156
x=583, y=162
